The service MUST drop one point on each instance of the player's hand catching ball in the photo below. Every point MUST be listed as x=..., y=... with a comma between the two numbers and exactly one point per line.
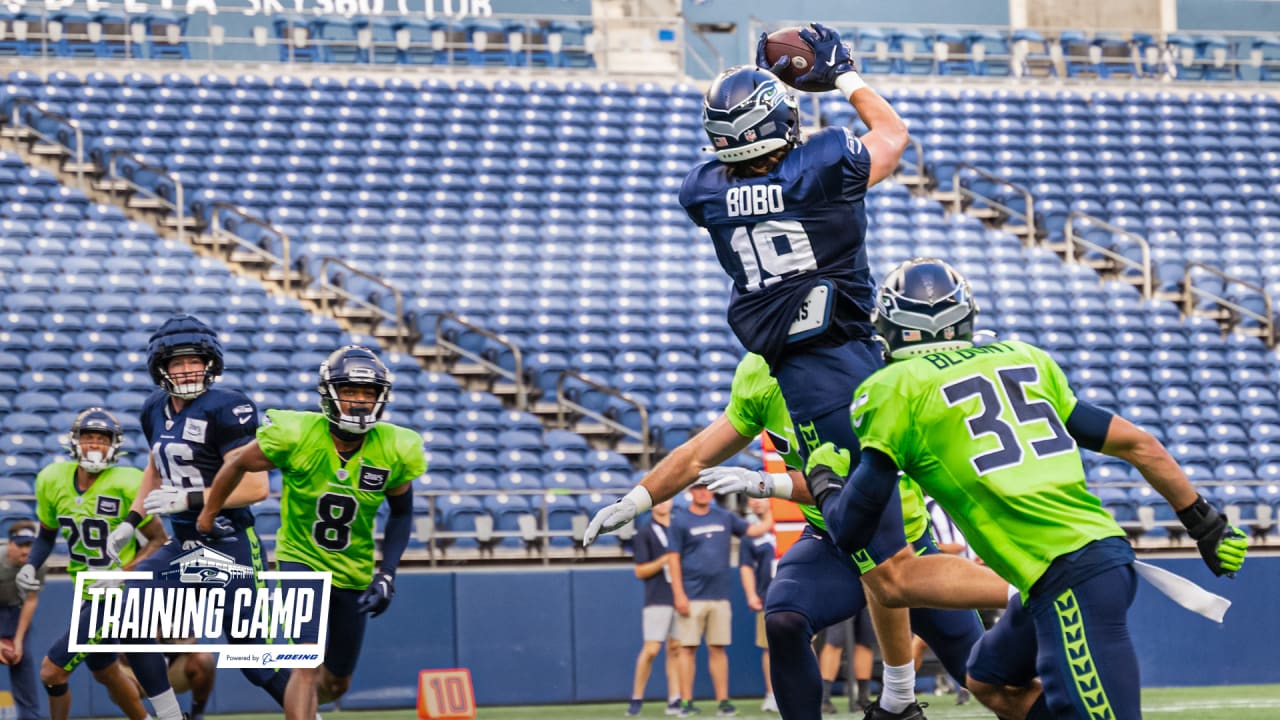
x=377, y=597
x=831, y=57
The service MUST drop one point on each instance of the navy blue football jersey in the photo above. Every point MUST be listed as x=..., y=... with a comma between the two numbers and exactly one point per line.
x=793, y=242
x=187, y=447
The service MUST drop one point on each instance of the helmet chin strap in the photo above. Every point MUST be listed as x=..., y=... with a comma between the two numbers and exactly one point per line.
x=344, y=435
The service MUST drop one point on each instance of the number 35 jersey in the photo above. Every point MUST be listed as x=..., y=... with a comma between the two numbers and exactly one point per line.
x=983, y=431
x=187, y=447
x=328, y=507
x=780, y=235
x=85, y=519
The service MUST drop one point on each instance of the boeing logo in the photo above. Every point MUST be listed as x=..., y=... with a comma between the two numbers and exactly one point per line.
x=268, y=658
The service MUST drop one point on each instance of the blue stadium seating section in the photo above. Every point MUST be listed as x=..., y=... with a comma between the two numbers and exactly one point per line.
x=577, y=251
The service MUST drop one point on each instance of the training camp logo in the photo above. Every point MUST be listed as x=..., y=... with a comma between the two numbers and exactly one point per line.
x=207, y=596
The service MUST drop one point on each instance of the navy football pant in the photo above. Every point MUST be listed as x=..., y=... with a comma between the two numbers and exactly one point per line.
x=1078, y=644
x=246, y=552
x=22, y=676
x=60, y=653
x=345, y=634
x=817, y=383
x=818, y=585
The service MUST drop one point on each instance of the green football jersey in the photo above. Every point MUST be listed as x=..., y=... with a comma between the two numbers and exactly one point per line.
x=85, y=519
x=756, y=405
x=328, y=507
x=983, y=432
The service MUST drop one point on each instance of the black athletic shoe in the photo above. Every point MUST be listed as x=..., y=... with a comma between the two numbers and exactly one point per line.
x=914, y=711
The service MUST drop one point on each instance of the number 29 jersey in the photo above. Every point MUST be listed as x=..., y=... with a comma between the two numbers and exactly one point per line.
x=187, y=447
x=328, y=507
x=780, y=235
x=983, y=431
x=85, y=519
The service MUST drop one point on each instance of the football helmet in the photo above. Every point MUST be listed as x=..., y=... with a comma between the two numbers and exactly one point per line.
x=353, y=365
x=749, y=112
x=95, y=420
x=924, y=306
x=178, y=336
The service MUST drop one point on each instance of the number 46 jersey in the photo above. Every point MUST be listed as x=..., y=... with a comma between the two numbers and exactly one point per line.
x=86, y=519
x=983, y=431
x=781, y=235
x=328, y=507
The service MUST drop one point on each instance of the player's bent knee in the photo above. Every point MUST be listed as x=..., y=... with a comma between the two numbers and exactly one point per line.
x=333, y=687
x=887, y=583
x=994, y=697
x=785, y=625
x=52, y=675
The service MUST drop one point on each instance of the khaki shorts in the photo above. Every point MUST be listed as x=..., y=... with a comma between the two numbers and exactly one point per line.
x=762, y=640
x=713, y=618
x=659, y=623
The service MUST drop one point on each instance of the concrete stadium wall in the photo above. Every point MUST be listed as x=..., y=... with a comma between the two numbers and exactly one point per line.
x=563, y=636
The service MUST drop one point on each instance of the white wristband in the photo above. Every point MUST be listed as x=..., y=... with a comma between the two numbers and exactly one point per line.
x=641, y=498
x=782, y=485
x=849, y=83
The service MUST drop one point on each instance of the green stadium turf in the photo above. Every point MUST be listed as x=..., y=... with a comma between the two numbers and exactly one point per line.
x=1242, y=702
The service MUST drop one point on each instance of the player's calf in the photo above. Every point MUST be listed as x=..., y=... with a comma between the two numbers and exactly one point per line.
x=332, y=686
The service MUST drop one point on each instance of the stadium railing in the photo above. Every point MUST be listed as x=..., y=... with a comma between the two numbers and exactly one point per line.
x=994, y=51
x=339, y=300
x=970, y=198
x=1110, y=260
x=1231, y=311
x=502, y=381
x=572, y=389
x=272, y=253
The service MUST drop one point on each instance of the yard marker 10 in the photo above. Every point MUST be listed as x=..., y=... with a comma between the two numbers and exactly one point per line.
x=446, y=695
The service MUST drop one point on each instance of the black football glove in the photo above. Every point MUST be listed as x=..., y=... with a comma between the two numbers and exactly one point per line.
x=377, y=597
x=1222, y=546
x=826, y=471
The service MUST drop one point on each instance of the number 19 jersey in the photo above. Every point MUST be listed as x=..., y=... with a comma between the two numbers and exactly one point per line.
x=328, y=507
x=780, y=235
x=982, y=430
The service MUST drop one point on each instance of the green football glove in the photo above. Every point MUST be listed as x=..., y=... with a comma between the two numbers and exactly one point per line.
x=826, y=471
x=1222, y=546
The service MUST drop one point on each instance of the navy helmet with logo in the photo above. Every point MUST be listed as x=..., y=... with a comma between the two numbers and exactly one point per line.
x=749, y=112
x=924, y=306
x=95, y=420
x=353, y=365
x=178, y=336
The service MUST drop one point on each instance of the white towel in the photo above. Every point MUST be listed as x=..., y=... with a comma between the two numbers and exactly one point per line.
x=1184, y=592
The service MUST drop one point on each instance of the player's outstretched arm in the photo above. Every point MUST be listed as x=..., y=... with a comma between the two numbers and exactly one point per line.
x=1222, y=546
x=245, y=459
x=716, y=443
x=852, y=509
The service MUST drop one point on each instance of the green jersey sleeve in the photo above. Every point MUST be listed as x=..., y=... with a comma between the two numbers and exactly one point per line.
x=1054, y=382
x=46, y=501
x=881, y=418
x=748, y=396
x=413, y=461
x=279, y=434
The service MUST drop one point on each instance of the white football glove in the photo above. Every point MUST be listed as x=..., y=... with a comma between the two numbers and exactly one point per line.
x=166, y=500
x=106, y=583
x=724, y=480
x=617, y=515
x=119, y=539
x=26, y=579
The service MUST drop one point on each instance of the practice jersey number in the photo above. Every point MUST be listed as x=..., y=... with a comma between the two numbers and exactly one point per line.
x=334, y=514
x=90, y=534
x=174, y=461
x=778, y=248
x=987, y=420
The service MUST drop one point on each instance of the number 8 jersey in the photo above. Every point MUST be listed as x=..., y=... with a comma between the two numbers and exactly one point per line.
x=328, y=506
x=780, y=235
x=85, y=519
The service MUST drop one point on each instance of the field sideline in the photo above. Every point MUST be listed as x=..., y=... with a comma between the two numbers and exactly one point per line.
x=1240, y=702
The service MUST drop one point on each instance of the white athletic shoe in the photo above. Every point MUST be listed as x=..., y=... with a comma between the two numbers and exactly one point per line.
x=770, y=703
